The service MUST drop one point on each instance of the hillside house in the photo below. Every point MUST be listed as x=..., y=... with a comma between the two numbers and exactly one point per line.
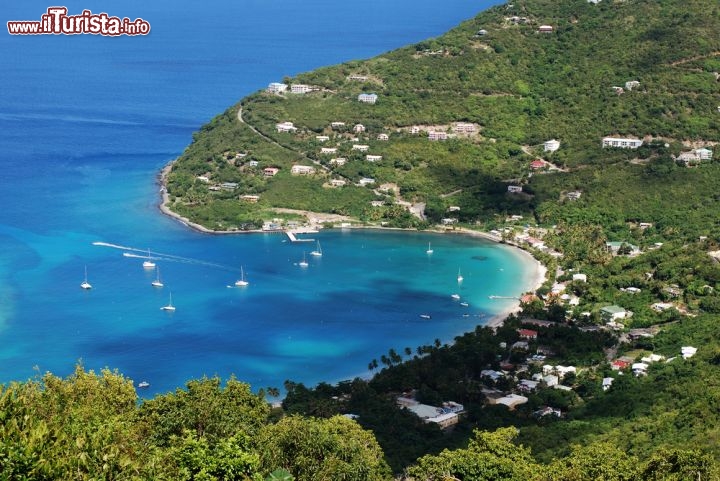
x=300, y=88
x=434, y=135
x=613, y=313
x=482, y=32
x=416, y=130
x=338, y=161
x=328, y=150
x=607, y=383
x=383, y=137
x=617, y=247
x=302, y=170
x=551, y=145
x=276, y=88
x=337, y=125
x=322, y=138
x=463, y=128
x=373, y=158
x=579, y=277
x=360, y=147
x=270, y=171
x=545, y=29
x=573, y=195
x=366, y=181
x=358, y=78
x=688, y=351
x=514, y=189
x=511, y=401
x=367, y=98
x=622, y=143
x=251, y=198
x=285, y=127
x=527, y=334
x=631, y=84
x=359, y=128
x=537, y=164
x=337, y=182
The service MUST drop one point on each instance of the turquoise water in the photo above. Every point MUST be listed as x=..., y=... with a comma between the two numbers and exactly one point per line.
x=86, y=124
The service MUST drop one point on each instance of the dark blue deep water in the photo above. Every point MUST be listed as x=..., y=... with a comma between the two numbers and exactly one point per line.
x=86, y=122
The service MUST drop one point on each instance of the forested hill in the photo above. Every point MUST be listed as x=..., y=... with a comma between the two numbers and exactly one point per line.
x=516, y=84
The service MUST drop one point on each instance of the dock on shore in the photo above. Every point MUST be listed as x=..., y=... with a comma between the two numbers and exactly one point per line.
x=291, y=236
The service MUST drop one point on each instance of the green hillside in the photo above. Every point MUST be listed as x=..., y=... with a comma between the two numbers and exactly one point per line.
x=517, y=86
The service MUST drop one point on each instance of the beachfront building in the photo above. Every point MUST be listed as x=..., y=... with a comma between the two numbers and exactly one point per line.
x=302, y=170
x=276, y=88
x=285, y=127
x=621, y=142
x=300, y=88
x=367, y=98
x=551, y=145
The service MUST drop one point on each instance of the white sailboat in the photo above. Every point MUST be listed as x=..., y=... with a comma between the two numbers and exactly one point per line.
x=241, y=282
x=429, y=249
x=170, y=306
x=85, y=284
x=157, y=282
x=318, y=251
x=460, y=277
x=303, y=262
x=148, y=264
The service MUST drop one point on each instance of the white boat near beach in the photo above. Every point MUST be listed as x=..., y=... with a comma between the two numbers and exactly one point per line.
x=169, y=306
x=157, y=282
x=149, y=264
x=85, y=284
x=242, y=282
x=318, y=251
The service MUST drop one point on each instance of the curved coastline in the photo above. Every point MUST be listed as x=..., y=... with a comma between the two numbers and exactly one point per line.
x=535, y=276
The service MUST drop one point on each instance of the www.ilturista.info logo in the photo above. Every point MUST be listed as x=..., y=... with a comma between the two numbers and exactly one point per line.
x=57, y=22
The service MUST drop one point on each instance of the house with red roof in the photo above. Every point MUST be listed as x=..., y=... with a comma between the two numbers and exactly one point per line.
x=527, y=334
x=537, y=164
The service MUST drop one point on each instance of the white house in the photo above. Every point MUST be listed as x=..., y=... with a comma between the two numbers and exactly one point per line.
x=434, y=135
x=359, y=128
x=416, y=130
x=511, y=400
x=704, y=154
x=463, y=127
x=367, y=98
x=337, y=182
x=302, y=170
x=580, y=277
x=545, y=29
x=606, y=383
x=613, y=313
x=270, y=171
x=373, y=158
x=357, y=78
x=514, y=189
x=551, y=145
x=573, y=195
x=328, y=150
x=688, y=351
x=631, y=84
x=338, y=161
x=285, y=127
x=276, y=88
x=360, y=147
x=383, y=137
x=366, y=181
x=300, y=88
x=337, y=125
x=623, y=143
x=322, y=138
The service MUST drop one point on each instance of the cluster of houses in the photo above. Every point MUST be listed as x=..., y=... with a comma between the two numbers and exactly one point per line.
x=625, y=363
x=695, y=156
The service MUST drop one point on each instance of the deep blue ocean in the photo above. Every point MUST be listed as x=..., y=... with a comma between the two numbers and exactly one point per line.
x=86, y=122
